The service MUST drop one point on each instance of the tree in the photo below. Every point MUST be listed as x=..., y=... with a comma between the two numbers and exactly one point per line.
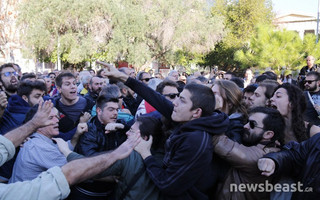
x=133, y=30
x=277, y=50
x=241, y=18
x=9, y=34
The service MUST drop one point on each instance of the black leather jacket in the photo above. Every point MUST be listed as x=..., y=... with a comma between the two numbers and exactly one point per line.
x=302, y=161
x=96, y=141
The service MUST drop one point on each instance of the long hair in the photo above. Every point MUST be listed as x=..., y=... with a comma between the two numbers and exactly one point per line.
x=232, y=97
x=298, y=105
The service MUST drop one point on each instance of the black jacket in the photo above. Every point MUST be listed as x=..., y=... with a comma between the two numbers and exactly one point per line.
x=188, y=170
x=302, y=161
x=91, y=98
x=96, y=141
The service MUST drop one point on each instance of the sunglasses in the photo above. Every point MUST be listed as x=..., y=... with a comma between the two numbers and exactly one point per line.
x=253, y=125
x=309, y=82
x=7, y=74
x=146, y=79
x=171, y=95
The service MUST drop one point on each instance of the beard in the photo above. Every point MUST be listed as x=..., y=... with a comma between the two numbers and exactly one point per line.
x=11, y=88
x=251, y=139
x=311, y=89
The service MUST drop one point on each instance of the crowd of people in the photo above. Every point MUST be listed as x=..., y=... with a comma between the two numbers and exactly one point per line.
x=119, y=134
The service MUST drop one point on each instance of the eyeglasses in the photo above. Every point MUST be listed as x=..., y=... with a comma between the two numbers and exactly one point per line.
x=171, y=95
x=146, y=79
x=7, y=74
x=253, y=125
x=309, y=81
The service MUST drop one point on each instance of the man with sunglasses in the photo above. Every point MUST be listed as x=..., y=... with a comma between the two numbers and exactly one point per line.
x=144, y=77
x=312, y=94
x=263, y=133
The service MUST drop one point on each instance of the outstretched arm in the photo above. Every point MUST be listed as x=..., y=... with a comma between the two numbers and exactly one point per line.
x=159, y=102
x=89, y=167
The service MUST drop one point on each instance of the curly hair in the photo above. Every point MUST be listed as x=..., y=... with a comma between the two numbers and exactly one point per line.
x=298, y=104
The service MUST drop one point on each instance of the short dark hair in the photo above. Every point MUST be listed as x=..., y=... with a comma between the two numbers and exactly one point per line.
x=271, y=75
x=165, y=83
x=201, y=97
x=152, y=126
x=26, y=87
x=27, y=76
x=274, y=121
x=250, y=88
x=314, y=73
x=52, y=73
x=141, y=75
x=61, y=76
x=104, y=99
x=202, y=79
x=270, y=86
x=238, y=81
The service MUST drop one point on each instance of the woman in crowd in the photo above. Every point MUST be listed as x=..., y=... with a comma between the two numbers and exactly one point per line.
x=291, y=103
x=229, y=100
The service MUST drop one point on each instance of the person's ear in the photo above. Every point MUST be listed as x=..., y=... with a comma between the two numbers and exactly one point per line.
x=98, y=110
x=197, y=113
x=268, y=135
x=24, y=97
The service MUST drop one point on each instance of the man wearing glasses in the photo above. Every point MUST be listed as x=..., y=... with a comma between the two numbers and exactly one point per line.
x=144, y=77
x=9, y=79
x=263, y=133
x=312, y=94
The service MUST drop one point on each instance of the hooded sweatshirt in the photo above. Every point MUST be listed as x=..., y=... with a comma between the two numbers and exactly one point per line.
x=188, y=170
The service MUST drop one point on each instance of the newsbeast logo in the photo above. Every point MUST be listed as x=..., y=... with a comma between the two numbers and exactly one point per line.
x=268, y=187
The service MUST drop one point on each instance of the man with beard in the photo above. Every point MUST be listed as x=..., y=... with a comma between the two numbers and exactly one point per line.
x=312, y=94
x=95, y=85
x=9, y=79
x=263, y=134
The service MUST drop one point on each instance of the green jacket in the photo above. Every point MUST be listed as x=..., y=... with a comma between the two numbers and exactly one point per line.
x=126, y=169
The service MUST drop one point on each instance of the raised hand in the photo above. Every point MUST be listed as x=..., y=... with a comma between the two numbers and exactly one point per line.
x=82, y=128
x=126, y=148
x=143, y=148
x=112, y=72
x=85, y=117
x=41, y=118
x=113, y=126
x=267, y=166
x=63, y=146
x=3, y=100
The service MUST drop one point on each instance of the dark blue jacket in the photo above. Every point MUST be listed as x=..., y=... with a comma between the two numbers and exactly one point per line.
x=302, y=162
x=188, y=167
x=13, y=117
x=14, y=114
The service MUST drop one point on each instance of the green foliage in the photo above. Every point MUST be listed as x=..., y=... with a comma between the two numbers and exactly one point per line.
x=133, y=30
x=241, y=18
x=277, y=50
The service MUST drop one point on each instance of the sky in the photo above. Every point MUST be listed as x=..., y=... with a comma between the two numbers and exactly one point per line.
x=298, y=6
